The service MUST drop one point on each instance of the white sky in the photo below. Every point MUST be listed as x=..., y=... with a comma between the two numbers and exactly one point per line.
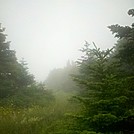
x=46, y=33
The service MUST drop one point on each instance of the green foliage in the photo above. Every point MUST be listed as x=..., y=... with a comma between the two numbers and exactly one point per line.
x=36, y=120
x=17, y=86
x=103, y=121
x=27, y=107
x=107, y=79
x=88, y=132
x=50, y=119
x=30, y=96
x=103, y=103
x=125, y=46
x=13, y=75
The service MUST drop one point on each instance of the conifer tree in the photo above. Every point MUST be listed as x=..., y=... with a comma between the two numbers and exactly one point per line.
x=13, y=75
x=107, y=79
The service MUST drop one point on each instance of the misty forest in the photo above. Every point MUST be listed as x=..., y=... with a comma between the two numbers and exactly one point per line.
x=93, y=95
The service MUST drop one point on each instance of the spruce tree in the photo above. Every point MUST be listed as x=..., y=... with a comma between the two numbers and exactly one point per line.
x=106, y=79
x=13, y=75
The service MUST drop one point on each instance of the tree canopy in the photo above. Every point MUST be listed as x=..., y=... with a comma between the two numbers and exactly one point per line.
x=107, y=78
x=60, y=79
x=17, y=85
x=13, y=75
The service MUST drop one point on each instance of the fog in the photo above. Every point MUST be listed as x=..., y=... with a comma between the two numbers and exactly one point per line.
x=47, y=33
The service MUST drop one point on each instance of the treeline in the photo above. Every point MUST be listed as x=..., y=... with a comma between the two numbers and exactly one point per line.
x=107, y=77
x=106, y=85
x=60, y=78
x=103, y=103
x=25, y=105
x=17, y=85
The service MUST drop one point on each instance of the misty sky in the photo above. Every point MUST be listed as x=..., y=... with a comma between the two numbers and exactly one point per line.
x=47, y=33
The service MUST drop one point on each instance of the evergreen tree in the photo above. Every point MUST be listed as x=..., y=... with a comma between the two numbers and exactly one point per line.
x=107, y=80
x=124, y=49
x=13, y=75
x=60, y=79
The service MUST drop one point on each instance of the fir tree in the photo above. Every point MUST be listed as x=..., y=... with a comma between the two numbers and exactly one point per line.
x=13, y=75
x=107, y=79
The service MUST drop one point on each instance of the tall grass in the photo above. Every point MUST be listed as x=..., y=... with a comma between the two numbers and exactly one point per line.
x=37, y=120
